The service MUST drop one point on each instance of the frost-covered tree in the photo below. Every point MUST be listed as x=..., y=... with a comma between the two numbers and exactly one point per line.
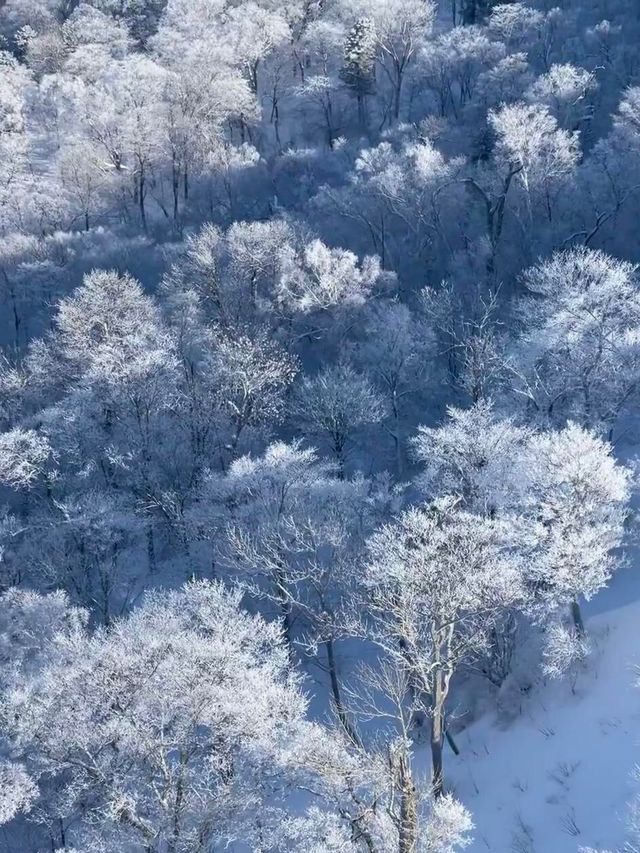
x=259, y=504
x=370, y=799
x=334, y=405
x=577, y=355
x=358, y=71
x=17, y=791
x=253, y=374
x=533, y=150
x=81, y=545
x=23, y=456
x=567, y=91
x=399, y=26
x=29, y=622
x=110, y=340
x=398, y=353
x=254, y=31
x=109, y=371
x=523, y=27
x=506, y=81
x=437, y=579
x=476, y=455
x=397, y=196
x=532, y=159
x=172, y=721
x=293, y=529
x=321, y=278
x=470, y=336
x=576, y=494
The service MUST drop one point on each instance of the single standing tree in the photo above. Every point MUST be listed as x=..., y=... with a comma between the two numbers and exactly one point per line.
x=578, y=353
x=358, y=71
x=292, y=529
x=173, y=721
x=334, y=405
x=575, y=495
x=319, y=279
x=534, y=150
x=475, y=455
x=23, y=457
x=398, y=353
x=437, y=579
x=253, y=374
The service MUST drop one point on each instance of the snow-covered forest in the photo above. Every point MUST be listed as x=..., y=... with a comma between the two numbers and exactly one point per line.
x=319, y=395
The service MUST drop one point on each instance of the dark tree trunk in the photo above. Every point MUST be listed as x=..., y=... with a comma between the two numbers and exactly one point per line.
x=141, y=198
x=176, y=189
x=437, y=735
x=576, y=615
x=437, y=782
x=337, y=694
x=408, y=811
x=285, y=609
x=397, y=96
x=151, y=549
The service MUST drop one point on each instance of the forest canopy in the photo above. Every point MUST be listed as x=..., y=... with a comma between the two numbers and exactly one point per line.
x=320, y=330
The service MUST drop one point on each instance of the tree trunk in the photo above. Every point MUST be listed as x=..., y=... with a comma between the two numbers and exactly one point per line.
x=285, y=609
x=408, y=810
x=576, y=615
x=436, y=755
x=397, y=95
x=338, y=449
x=437, y=736
x=397, y=441
x=14, y=307
x=253, y=78
x=450, y=740
x=399, y=457
x=16, y=318
x=337, y=695
x=141, y=197
x=151, y=549
x=175, y=183
x=362, y=111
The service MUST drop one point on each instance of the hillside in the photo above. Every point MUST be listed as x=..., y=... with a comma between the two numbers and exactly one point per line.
x=559, y=777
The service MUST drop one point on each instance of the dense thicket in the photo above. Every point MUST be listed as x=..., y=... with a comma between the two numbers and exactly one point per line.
x=320, y=323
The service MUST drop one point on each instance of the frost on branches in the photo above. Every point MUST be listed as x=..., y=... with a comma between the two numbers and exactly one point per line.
x=319, y=373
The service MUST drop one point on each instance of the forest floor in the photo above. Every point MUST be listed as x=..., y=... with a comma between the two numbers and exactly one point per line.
x=558, y=778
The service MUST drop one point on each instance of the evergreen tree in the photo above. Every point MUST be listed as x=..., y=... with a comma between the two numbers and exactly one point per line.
x=358, y=71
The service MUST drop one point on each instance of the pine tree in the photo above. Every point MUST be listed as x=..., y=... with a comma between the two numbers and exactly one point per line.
x=476, y=11
x=358, y=71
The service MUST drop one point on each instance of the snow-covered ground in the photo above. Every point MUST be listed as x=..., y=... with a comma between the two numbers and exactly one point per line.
x=559, y=777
